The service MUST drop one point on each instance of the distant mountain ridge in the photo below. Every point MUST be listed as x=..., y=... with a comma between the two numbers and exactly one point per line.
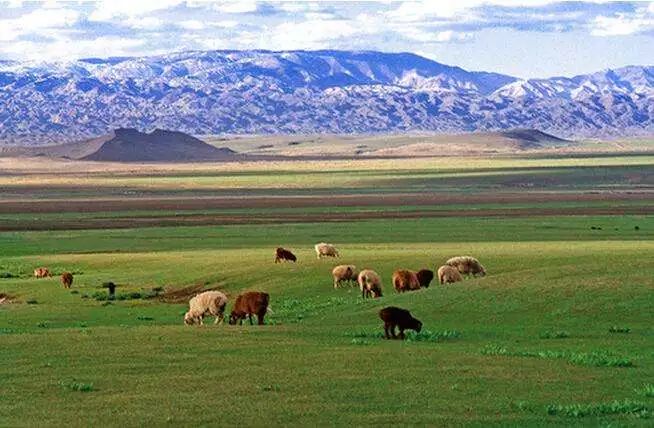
x=268, y=92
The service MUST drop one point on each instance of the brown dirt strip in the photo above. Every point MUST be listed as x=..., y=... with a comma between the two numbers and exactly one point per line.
x=216, y=219
x=336, y=200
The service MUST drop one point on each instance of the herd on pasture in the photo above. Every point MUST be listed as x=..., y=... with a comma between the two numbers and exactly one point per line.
x=252, y=303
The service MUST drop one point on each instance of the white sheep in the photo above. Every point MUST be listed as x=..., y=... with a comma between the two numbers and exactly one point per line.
x=209, y=302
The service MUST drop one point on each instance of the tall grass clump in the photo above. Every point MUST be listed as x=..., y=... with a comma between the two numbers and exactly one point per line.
x=646, y=390
x=590, y=359
x=554, y=335
x=617, y=329
x=76, y=386
x=625, y=407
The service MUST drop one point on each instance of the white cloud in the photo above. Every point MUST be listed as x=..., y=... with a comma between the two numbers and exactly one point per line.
x=235, y=6
x=65, y=48
x=191, y=24
x=37, y=22
x=432, y=36
x=144, y=23
x=313, y=33
x=621, y=25
x=225, y=24
x=107, y=10
x=412, y=11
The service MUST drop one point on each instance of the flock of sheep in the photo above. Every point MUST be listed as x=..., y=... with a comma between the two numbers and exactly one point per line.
x=255, y=303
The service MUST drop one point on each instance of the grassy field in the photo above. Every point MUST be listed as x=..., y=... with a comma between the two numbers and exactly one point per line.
x=559, y=332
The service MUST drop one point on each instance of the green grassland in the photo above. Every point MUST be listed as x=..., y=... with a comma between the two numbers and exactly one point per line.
x=560, y=332
x=376, y=176
x=320, y=360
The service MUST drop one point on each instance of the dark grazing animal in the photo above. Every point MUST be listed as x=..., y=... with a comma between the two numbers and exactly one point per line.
x=67, y=279
x=425, y=277
x=398, y=317
x=282, y=255
x=248, y=304
x=405, y=280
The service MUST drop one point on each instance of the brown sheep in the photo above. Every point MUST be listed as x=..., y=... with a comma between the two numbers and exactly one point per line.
x=344, y=273
x=398, y=317
x=67, y=279
x=370, y=284
x=282, y=255
x=467, y=265
x=405, y=280
x=448, y=274
x=42, y=272
x=424, y=277
x=247, y=304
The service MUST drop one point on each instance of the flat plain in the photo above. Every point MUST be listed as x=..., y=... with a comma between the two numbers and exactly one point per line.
x=559, y=332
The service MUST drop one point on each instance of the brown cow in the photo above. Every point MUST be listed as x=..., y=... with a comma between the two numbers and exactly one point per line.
x=247, y=304
x=42, y=272
x=67, y=279
x=405, y=280
x=282, y=255
x=398, y=317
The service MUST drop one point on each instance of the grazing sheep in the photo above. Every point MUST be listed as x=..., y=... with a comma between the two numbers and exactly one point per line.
x=467, y=265
x=424, y=277
x=405, y=280
x=282, y=255
x=327, y=250
x=209, y=302
x=247, y=304
x=448, y=274
x=398, y=317
x=42, y=272
x=370, y=284
x=344, y=273
x=67, y=279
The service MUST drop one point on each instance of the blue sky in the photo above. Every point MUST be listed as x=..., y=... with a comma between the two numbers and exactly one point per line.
x=521, y=38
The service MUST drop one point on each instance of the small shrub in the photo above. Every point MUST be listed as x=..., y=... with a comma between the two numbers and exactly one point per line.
x=357, y=341
x=431, y=336
x=625, y=407
x=100, y=296
x=42, y=324
x=76, y=386
x=366, y=335
x=523, y=406
x=646, y=390
x=84, y=296
x=555, y=335
x=144, y=318
x=270, y=388
x=7, y=275
x=492, y=349
x=636, y=228
x=616, y=329
x=31, y=302
x=74, y=292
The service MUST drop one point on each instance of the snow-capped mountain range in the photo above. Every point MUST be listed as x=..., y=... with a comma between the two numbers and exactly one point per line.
x=263, y=92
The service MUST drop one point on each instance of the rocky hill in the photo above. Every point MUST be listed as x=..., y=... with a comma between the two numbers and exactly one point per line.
x=130, y=145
